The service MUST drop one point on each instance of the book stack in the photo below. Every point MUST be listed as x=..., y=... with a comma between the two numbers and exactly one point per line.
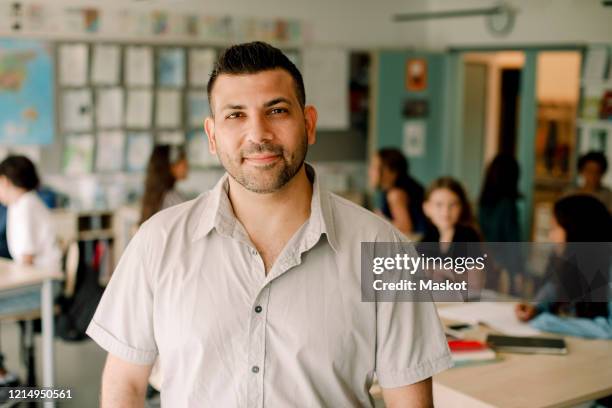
x=469, y=352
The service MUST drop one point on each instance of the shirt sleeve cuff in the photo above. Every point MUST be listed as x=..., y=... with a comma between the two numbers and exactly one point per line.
x=400, y=378
x=115, y=347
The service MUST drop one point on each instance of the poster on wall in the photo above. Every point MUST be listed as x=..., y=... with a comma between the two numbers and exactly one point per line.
x=414, y=138
x=416, y=74
x=26, y=92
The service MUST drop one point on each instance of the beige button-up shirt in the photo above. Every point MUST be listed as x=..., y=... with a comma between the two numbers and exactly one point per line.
x=191, y=288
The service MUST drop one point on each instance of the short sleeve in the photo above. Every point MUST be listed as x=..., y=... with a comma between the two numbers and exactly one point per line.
x=123, y=321
x=411, y=345
x=410, y=342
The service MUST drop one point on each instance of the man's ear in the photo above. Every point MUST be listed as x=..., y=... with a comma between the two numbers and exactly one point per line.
x=310, y=118
x=209, y=127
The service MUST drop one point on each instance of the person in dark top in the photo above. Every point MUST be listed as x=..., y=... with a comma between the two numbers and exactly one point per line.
x=497, y=207
x=498, y=216
x=575, y=272
x=401, y=197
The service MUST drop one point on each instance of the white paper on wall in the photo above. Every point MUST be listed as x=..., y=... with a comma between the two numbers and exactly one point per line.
x=109, y=108
x=201, y=63
x=76, y=110
x=168, y=109
x=138, y=66
x=414, y=138
x=73, y=64
x=110, y=151
x=326, y=78
x=139, y=108
x=139, y=147
x=106, y=62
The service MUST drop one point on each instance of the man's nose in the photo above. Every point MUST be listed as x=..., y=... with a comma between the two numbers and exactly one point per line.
x=258, y=129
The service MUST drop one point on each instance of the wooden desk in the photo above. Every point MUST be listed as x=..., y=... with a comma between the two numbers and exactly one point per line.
x=528, y=380
x=14, y=277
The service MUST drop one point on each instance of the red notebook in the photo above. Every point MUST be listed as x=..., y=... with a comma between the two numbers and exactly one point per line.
x=466, y=345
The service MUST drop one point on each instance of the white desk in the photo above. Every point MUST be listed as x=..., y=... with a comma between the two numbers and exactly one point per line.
x=527, y=380
x=14, y=276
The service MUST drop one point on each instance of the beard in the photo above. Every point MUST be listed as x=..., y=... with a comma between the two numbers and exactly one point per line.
x=266, y=178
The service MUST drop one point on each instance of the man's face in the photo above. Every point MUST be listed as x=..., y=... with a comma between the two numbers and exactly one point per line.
x=259, y=130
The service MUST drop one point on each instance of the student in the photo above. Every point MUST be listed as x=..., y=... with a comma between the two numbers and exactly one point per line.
x=402, y=196
x=449, y=213
x=167, y=165
x=592, y=167
x=576, y=218
x=497, y=207
x=498, y=217
x=250, y=294
x=452, y=227
x=30, y=232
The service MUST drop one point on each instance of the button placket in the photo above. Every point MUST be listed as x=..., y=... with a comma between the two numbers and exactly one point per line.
x=257, y=342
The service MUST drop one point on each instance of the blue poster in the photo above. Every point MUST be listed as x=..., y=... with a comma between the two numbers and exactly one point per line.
x=26, y=92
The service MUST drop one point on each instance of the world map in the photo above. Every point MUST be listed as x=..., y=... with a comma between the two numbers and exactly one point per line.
x=26, y=92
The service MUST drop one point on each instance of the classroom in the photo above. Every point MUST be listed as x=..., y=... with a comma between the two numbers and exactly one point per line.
x=430, y=175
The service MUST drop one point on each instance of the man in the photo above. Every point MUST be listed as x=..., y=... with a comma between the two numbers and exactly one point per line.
x=250, y=294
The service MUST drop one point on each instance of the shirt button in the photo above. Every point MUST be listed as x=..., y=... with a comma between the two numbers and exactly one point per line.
x=255, y=369
x=258, y=309
x=254, y=252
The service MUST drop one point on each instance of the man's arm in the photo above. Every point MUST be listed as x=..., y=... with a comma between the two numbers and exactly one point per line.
x=416, y=395
x=124, y=384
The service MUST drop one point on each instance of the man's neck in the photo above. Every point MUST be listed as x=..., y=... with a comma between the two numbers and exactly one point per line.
x=272, y=219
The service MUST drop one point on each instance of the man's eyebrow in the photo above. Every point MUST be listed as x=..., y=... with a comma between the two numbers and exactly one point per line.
x=231, y=107
x=277, y=101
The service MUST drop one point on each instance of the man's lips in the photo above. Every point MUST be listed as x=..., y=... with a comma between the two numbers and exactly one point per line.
x=262, y=159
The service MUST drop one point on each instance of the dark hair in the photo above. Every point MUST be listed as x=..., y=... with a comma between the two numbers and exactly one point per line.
x=466, y=217
x=159, y=179
x=584, y=219
x=20, y=171
x=251, y=58
x=501, y=180
x=597, y=157
x=395, y=161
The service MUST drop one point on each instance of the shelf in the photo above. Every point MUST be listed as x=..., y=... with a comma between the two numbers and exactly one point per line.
x=95, y=234
x=595, y=123
x=596, y=83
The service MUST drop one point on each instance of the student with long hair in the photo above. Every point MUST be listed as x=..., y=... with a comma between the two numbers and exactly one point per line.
x=451, y=231
x=498, y=216
x=497, y=207
x=402, y=195
x=449, y=213
x=576, y=219
x=167, y=165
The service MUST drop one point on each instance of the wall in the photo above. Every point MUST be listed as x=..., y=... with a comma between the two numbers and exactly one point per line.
x=537, y=22
x=337, y=22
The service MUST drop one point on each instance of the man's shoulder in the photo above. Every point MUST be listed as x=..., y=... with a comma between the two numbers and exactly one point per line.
x=354, y=222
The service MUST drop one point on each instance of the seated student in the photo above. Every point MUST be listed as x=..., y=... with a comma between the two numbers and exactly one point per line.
x=576, y=219
x=167, y=165
x=30, y=233
x=450, y=221
x=592, y=167
x=401, y=195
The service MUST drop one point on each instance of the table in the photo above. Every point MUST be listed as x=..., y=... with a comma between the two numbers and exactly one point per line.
x=528, y=380
x=14, y=277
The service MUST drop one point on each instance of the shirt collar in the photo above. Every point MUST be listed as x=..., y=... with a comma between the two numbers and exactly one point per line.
x=218, y=213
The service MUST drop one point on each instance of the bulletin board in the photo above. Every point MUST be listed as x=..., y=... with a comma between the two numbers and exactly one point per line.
x=117, y=100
